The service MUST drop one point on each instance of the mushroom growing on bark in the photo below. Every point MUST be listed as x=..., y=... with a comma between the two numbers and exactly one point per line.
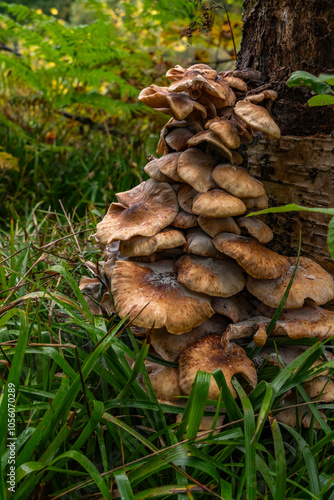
x=185, y=261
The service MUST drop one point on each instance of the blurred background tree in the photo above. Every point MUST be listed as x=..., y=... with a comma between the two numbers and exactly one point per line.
x=71, y=72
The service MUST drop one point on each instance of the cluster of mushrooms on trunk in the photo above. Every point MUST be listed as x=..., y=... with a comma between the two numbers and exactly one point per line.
x=187, y=266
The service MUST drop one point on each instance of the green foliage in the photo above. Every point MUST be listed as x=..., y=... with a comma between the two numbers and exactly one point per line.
x=85, y=426
x=320, y=85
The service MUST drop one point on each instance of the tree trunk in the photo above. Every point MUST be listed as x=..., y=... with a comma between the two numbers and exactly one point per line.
x=279, y=37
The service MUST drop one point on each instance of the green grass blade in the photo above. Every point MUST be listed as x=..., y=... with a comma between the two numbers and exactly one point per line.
x=281, y=467
x=123, y=485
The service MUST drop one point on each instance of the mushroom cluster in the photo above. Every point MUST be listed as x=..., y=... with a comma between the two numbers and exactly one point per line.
x=183, y=259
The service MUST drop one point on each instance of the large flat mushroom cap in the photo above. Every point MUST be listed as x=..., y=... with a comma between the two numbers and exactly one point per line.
x=257, y=118
x=217, y=204
x=311, y=281
x=142, y=211
x=237, y=181
x=215, y=226
x=207, y=354
x=195, y=167
x=210, y=276
x=144, y=245
x=151, y=296
x=257, y=260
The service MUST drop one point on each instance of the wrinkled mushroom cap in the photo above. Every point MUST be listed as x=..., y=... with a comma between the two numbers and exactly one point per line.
x=141, y=245
x=237, y=181
x=154, y=96
x=215, y=226
x=151, y=296
x=256, y=228
x=237, y=308
x=195, y=167
x=207, y=354
x=257, y=260
x=210, y=276
x=217, y=204
x=142, y=211
x=182, y=105
x=257, y=118
x=211, y=138
x=311, y=281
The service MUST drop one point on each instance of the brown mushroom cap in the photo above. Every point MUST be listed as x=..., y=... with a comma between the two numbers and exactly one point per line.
x=235, y=83
x=257, y=260
x=237, y=181
x=210, y=276
x=200, y=243
x=195, y=167
x=245, y=328
x=215, y=226
x=142, y=211
x=265, y=94
x=182, y=105
x=311, y=281
x=143, y=245
x=185, y=197
x=152, y=169
x=211, y=138
x=217, y=204
x=320, y=388
x=258, y=118
x=226, y=130
x=164, y=380
x=151, y=296
x=289, y=416
x=309, y=321
x=154, y=96
x=207, y=354
x=237, y=308
x=170, y=346
x=183, y=220
x=177, y=139
x=176, y=73
x=256, y=228
x=168, y=166
x=260, y=203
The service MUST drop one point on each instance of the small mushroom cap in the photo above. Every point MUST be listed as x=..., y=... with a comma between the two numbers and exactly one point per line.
x=181, y=105
x=171, y=125
x=200, y=243
x=256, y=228
x=151, y=296
x=154, y=96
x=207, y=354
x=226, y=130
x=164, y=380
x=311, y=281
x=265, y=94
x=177, y=139
x=204, y=70
x=237, y=308
x=289, y=417
x=260, y=203
x=211, y=138
x=257, y=118
x=195, y=167
x=170, y=346
x=143, y=245
x=192, y=83
x=309, y=321
x=142, y=211
x=257, y=260
x=237, y=181
x=215, y=226
x=152, y=169
x=168, y=166
x=235, y=83
x=210, y=276
x=106, y=304
x=185, y=197
x=176, y=73
x=320, y=388
x=183, y=220
x=217, y=204
x=245, y=328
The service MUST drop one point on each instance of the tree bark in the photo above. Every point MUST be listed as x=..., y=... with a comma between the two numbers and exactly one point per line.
x=279, y=37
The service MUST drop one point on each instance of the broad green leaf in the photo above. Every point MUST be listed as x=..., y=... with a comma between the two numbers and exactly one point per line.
x=326, y=78
x=123, y=485
x=330, y=237
x=303, y=78
x=321, y=100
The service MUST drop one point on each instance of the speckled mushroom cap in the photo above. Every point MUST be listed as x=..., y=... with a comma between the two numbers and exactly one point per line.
x=185, y=197
x=143, y=245
x=164, y=380
x=170, y=346
x=207, y=354
x=215, y=226
x=257, y=118
x=311, y=281
x=210, y=276
x=256, y=228
x=151, y=296
x=257, y=260
x=217, y=204
x=200, y=243
x=183, y=220
x=226, y=130
x=142, y=211
x=237, y=181
x=195, y=167
x=308, y=321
